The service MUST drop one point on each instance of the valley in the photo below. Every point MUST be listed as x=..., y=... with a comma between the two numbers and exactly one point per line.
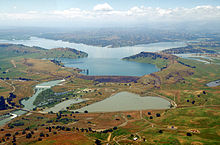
x=191, y=118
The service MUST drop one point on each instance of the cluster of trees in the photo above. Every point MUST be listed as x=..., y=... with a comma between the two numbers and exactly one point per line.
x=186, y=64
x=7, y=78
x=151, y=117
x=28, y=134
x=3, y=106
x=193, y=101
x=20, y=78
x=59, y=63
x=10, y=99
x=16, y=123
x=24, y=79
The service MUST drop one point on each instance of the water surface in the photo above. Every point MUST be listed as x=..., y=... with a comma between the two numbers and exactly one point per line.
x=6, y=118
x=103, y=60
x=28, y=104
x=110, y=67
x=95, y=51
x=125, y=101
x=214, y=83
x=62, y=106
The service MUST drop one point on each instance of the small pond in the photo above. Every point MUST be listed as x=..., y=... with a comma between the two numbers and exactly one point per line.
x=125, y=101
x=6, y=118
x=214, y=83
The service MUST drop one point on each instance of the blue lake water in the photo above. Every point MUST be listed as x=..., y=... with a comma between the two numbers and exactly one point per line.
x=104, y=60
x=110, y=66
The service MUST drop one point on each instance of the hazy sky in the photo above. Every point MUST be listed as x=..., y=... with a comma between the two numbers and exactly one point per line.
x=75, y=13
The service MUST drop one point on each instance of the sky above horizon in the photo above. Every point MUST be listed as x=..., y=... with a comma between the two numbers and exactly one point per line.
x=76, y=13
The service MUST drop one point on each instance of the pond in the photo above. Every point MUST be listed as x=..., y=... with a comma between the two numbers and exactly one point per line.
x=214, y=83
x=28, y=104
x=193, y=56
x=62, y=106
x=6, y=118
x=126, y=101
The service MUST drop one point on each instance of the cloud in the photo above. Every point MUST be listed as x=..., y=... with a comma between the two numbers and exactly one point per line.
x=105, y=14
x=103, y=7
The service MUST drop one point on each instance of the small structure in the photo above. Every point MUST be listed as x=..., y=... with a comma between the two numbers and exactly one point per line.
x=172, y=127
x=194, y=130
x=135, y=138
x=43, y=87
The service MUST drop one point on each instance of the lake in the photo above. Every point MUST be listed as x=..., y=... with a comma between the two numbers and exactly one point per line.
x=126, y=101
x=104, y=60
x=110, y=66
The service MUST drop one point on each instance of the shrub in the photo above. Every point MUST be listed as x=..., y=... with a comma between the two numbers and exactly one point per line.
x=7, y=134
x=158, y=114
x=188, y=134
x=28, y=135
x=42, y=134
x=98, y=142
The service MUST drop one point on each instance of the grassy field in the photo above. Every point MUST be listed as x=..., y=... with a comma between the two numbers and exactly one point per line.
x=160, y=63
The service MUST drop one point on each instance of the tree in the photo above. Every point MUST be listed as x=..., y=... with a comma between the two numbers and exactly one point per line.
x=23, y=132
x=42, y=134
x=7, y=134
x=49, y=129
x=28, y=135
x=158, y=114
x=3, y=106
x=97, y=142
x=188, y=134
